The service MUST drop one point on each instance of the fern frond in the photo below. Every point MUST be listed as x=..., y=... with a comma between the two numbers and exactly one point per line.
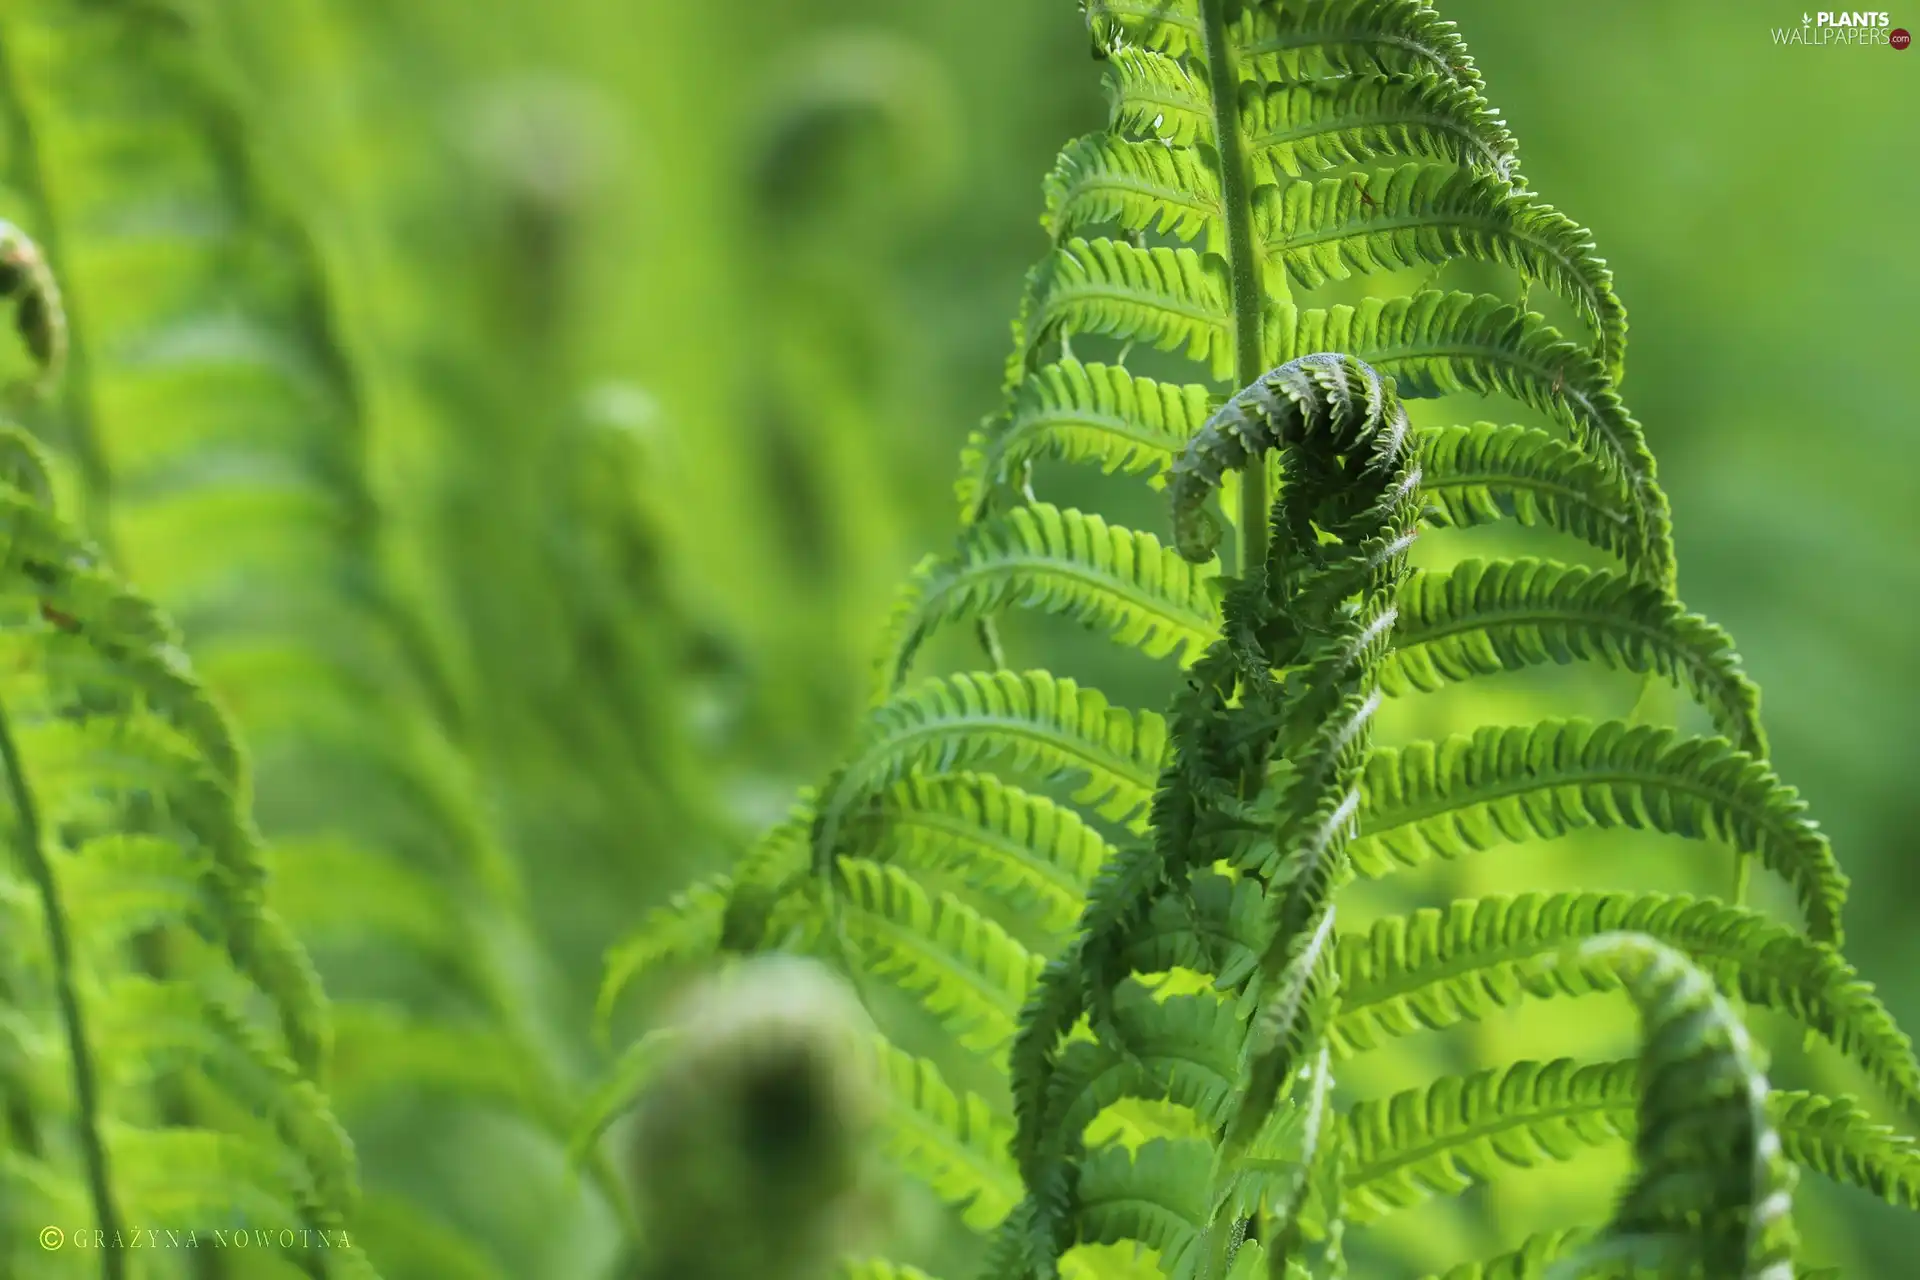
x=1024, y=848
x=962, y=967
x=879, y=1269
x=1485, y=473
x=951, y=1141
x=1436, y=343
x=1058, y=561
x=1460, y=1130
x=1711, y=1189
x=1542, y=781
x=1392, y=219
x=1150, y=95
x=1034, y=723
x=1084, y=413
x=213, y=1178
x=1217, y=926
x=1155, y=1195
x=1482, y=618
x=233, y=460
x=1180, y=1049
x=1524, y=1263
x=688, y=925
x=1138, y=186
x=1436, y=968
x=1333, y=401
x=1335, y=39
x=1835, y=1137
x=1170, y=1067
x=94, y=769
x=1305, y=127
x=157, y=1027
x=1172, y=27
x=1163, y=297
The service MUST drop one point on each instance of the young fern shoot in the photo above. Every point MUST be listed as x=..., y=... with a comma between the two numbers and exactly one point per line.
x=1167, y=1073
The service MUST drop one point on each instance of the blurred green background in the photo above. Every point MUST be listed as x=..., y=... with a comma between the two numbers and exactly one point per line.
x=720, y=289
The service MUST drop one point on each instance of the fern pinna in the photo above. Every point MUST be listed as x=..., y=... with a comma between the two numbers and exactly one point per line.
x=1152, y=965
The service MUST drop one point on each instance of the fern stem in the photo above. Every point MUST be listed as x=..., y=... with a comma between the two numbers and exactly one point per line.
x=85, y=1091
x=1236, y=197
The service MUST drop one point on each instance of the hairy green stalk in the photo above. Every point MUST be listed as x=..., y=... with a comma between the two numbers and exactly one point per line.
x=1245, y=285
x=29, y=844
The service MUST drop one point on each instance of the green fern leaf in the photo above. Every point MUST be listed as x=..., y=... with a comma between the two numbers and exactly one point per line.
x=1173, y=27
x=1392, y=219
x=1180, y=1049
x=207, y=1177
x=1218, y=926
x=1156, y=1195
x=1524, y=1263
x=1084, y=413
x=1041, y=557
x=1711, y=1189
x=1304, y=127
x=1835, y=1137
x=1139, y=186
x=1336, y=39
x=966, y=970
x=1157, y=97
x=1024, y=848
x=1436, y=343
x=1542, y=781
x=1166, y=298
x=97, y=768
x=1033, y=722
x=953, y=1142
x=1436, y=968
x=1484, y=473
x=688, y=925
x=161, y=1026
x=1460, y=1130
x=1483, y=618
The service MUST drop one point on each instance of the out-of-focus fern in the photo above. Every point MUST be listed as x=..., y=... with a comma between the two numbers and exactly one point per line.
x=1713, y=1192
x=139, y=1102
x=1173, y=1085
x=221, y=435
